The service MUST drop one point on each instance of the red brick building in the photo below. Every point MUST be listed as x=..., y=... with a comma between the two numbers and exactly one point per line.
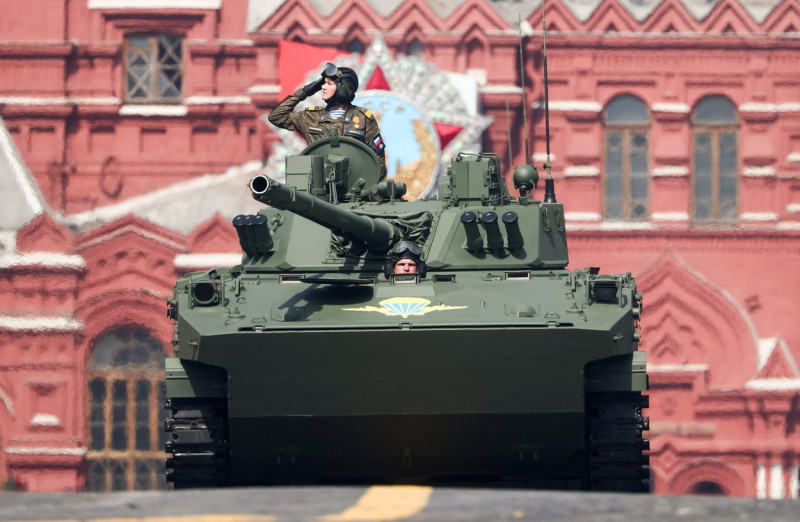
x=129, y=128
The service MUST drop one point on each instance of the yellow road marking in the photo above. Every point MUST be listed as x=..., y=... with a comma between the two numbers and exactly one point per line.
x=176, y=518
x=385, y=503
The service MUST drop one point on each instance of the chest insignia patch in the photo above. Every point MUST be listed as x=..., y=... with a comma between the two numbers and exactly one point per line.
x=354, y=132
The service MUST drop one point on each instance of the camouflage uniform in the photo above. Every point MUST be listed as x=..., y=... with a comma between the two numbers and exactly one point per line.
x=315, y=123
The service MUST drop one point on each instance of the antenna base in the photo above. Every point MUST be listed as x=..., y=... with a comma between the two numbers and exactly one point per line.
x=549, y=191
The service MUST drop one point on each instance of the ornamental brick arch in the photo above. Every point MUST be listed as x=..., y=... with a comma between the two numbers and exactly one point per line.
x=689, y=320
x=708, y=476
x=7, y=418
x=611, y=17
x=353, y=13
x=669, y=17
x=480, y=14
x=560, y=19
x=784, y=19
x=129, y=253
x=291, y=14
x=475, y=51
x=214, y=235
x=414, y=14
x=110, y=311
x=44, y=234
x=729, y=16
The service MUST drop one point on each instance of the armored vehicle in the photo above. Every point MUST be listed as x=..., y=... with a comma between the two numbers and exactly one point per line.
x=312, y=362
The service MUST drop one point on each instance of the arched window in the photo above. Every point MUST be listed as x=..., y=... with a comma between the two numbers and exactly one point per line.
x=627, y=158
x=715, y=158
x=125, y=382
x=416, y=48
x=707, y=487
x=356, y=46
x=476, y=55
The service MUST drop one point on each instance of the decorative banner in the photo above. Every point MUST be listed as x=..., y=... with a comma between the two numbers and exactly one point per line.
x=426, y=116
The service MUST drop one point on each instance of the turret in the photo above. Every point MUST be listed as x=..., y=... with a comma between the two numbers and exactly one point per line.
x=378, y=234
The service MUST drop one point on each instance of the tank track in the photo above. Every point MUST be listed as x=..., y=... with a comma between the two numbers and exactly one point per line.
x=197, y=433
x=617, y=458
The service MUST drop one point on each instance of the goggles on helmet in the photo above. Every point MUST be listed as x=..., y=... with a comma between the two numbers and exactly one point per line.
x=331, y=71
x=406, y=246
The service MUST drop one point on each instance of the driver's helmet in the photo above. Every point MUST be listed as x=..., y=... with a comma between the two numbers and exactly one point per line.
x=405, y=250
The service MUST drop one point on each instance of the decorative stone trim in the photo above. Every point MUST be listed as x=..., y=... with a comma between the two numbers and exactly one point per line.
x=583, y=216
x=612, y=226
x=627, y=225
x=43, y=259
x=669, y=216
x=40, y=324
x=673, y=368
x=78, y=452
x=670, y=171
x=791, y=225
x=200, y=261
x=45, y=420
x=34, y=101
x=238, y=42
x=154, y=4
x=87, y=217
x=759, y=172
x=541, y=157
x=769, y=107
x=793, y=157
x=216, y=100
x=501, y=89
x=758, y=107
x=582, y=171
x=264, y=89
x=676, y=108
x=153, y=110
x=772, y=384
x=793, y=208
x=759, y=216
x=570, y=106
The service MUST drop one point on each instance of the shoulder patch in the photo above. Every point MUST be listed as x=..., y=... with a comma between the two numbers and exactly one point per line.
x=378, y=142
x=368, y=114
x=311, y=108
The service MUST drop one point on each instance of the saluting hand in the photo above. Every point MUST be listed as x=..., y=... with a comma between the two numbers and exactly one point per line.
x=313, y=87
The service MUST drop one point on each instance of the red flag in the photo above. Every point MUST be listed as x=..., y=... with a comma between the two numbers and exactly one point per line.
x=296, y=60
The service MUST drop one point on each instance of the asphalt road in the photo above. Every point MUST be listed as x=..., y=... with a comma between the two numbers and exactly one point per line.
x=382, y=503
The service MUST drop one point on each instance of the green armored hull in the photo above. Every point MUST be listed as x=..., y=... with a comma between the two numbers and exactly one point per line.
x=310, y=362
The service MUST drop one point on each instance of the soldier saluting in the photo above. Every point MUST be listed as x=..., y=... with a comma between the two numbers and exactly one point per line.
x=338, y=86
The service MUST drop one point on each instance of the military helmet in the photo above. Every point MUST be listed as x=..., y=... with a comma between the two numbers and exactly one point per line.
x=405, y=250
x=346, y=81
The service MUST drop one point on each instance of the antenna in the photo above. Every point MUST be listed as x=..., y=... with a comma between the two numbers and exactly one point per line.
x=508, y=128
x=549, y=189
x=522, y=85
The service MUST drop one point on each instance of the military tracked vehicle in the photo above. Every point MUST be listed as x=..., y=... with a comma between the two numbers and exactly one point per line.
x=311, y=362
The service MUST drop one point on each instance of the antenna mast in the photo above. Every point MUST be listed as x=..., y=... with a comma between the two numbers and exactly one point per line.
x=549, y=190
x=508, y=129
x=522, y=85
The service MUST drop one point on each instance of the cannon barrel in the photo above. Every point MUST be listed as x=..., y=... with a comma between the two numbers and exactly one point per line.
x=376, y=233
